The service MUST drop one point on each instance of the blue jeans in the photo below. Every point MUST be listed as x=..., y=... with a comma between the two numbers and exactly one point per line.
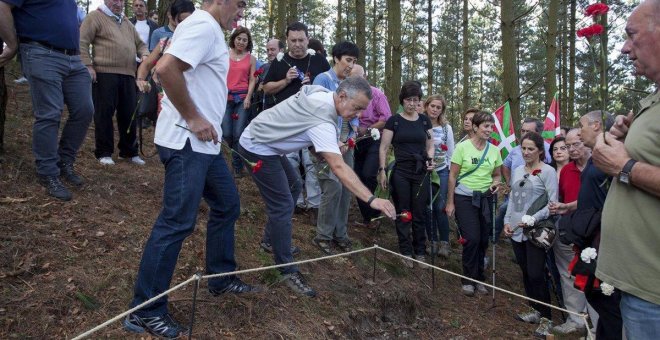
x=232, y=129
x=440, y=220
x=279, y=185
x=56, y=79
x=189, y=176
x=641, y=318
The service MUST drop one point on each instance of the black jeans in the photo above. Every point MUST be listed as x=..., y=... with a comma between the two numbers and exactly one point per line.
x=531, y=260
x=610, y=324
x=411, y=195
x=366, y=167
x=114, y=92
x=475, y=229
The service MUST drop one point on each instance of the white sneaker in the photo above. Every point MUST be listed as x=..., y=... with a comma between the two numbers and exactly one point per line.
x=569, y=327
x=106, y=161
x=21, y=80
x=481, y=289
x=468, y=290
x=136, y=160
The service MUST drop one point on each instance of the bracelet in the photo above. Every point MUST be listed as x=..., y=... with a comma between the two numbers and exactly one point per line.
x=381, y=169
x=371, y=199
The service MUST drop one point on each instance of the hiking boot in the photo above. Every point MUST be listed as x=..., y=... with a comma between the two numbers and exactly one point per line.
x=532, y=316
x=55, y=188
x=161, y=326
x=569, y=327
x=481, y=289
x=486, y=262
x=544, y=328
x=296, y=282
x=468, y=290
x=267, y=247
x=435, y=247
x=236, y=286
x=324, y=245
x=444, y=249
x=421, y=258
x=70, y=175
x=345, y=245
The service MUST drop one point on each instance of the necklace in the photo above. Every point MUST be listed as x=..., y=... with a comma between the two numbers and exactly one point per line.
x=238, y=57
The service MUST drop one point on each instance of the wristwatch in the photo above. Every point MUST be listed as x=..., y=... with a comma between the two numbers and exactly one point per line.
x=624, y=175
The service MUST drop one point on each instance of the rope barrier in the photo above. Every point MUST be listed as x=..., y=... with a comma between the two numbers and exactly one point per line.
x=197, y=277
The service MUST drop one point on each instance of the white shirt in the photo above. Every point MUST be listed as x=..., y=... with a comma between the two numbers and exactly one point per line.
x=199, y=42
x=142, y=28
x=323, y=136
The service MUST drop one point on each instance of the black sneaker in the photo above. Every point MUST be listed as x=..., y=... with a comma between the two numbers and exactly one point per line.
x=70, y=175
x=267, y=247
x=161, y=326
x=296, y=282
x=236, y=286
x=55, y=187
x=345, y=245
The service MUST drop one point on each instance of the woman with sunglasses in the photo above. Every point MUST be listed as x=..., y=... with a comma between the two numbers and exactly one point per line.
x=529, y=182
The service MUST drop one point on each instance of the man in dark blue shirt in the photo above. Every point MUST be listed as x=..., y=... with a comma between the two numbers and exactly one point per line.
x=50, y=60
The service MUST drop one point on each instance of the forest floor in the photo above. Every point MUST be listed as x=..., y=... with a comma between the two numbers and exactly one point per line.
x=66, y=267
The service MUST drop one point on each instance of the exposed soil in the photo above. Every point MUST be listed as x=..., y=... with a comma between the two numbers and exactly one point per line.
x=67, y=267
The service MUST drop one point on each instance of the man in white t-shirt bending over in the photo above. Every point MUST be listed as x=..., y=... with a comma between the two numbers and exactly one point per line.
x=308, y=118
x=193, y=73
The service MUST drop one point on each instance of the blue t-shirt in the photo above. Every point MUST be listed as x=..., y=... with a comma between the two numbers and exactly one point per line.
x=330, y=81
x=158, y=34
x=593, y=187
x=37, y=19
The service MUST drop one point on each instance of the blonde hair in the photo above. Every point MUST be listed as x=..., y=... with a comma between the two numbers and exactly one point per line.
x=442, y=117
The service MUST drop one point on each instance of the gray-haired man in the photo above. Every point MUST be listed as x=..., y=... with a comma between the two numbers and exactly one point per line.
x=306, y=119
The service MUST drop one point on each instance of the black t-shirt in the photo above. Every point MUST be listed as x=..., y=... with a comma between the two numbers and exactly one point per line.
x=314, y=66
x=409, y=142
x=593, y=187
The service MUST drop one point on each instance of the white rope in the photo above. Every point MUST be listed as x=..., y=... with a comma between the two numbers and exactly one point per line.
x=198, y=277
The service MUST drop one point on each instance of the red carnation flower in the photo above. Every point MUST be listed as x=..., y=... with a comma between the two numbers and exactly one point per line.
x=406, y=216
x=590, y=31
x=258, y=72
x=444, y=147
x=462, y=240
x=351, y=143
x=234, y=116
x=596, y=9
x=536, y=172
x=257, y=166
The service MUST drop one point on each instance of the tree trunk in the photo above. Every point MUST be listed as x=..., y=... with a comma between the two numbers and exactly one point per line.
x=413, y=55
x=281, y=20
x=551, y=53
x=565, y=36
x=570, y=108
x=271, y=19
x=151, y=5
x=373, y=63
x=394, y=36
x=3, y=103
x=509, y=60
x=465, y=96
x=604, y=65
x=339, y=29
x=292, y=14
x=163, y=6
x=429, y=48
x=360, y=35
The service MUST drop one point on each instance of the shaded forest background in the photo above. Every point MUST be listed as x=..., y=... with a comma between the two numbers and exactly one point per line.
x=474, y=53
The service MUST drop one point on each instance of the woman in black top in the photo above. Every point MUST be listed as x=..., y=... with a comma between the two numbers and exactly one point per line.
x=411, y=136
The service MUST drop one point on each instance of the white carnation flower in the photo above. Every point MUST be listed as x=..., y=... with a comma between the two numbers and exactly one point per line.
x=588, y=254
x=528, y=220
x=280, y=56
x=607, y=288
x=375, y=134
x=311, y=51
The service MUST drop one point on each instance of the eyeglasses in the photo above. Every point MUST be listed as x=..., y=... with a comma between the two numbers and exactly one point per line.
x=562, y=148
x=524, y=180
x=574, y=145
x=413, y=100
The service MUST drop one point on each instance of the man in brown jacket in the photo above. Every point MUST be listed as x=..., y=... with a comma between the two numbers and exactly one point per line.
x=111, y=61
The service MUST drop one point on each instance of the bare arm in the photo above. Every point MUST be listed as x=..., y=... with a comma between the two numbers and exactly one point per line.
x=385, y=141
x=351, y=181
x=170, y=72
x=145, y=68
x=251, y=83
x=273, y=87
x=454, y=170
x=7, y=33
x=610, y=158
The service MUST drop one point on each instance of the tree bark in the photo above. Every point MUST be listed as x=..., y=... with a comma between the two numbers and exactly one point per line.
x=271, y=18
x=281, y=20
x=465, y=95
x=604, y=65
x=394, y=36
x=565, y=36
x=339, y=28
x=151, y=5
x=551, y=53
x=3, y=103
x=373, y=63
x=360, y=35
x=570, y=108
x=292, y=13
x=429, y=48
x=509, y=60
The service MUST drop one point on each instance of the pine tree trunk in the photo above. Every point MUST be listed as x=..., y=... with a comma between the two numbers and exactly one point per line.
x=604, y=65
x=3, y=103
x=465, y=95
x=394, y=36
x=373, y=63
x=429, y=50
x=163, y=6
x=509, y=60
x=551, y=53
x=339, y=29
x=570, y=108
x=412, y=50
x=565, y=36
x=360, y=35
x=281, y=20
x=292, y=14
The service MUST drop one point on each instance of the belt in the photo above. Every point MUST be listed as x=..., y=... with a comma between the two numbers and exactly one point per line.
x=64, y=51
